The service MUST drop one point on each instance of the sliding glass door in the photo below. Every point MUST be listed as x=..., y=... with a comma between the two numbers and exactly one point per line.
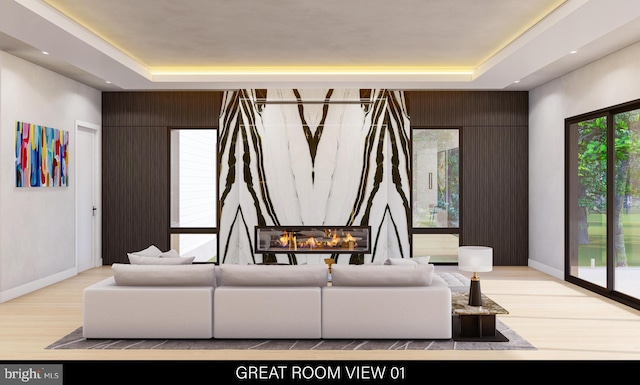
x=588, y=200
x=626, y=216
x=603, y=202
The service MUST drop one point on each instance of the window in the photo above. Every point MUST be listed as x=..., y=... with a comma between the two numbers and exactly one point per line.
x=588, y=209
x=436, y=193
x=193, y=198
x=603, y=202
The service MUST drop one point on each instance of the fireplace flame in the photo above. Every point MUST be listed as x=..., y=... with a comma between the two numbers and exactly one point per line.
x=335, y=239
x=285, y=238
x=311, y=242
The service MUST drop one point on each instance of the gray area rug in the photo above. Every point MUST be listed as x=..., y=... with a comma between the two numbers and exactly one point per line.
x=456, y=281
x=75, y=341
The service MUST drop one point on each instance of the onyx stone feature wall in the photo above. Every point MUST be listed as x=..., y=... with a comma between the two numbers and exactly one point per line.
x=494, y=164
x=135, y=154
x=314, y=157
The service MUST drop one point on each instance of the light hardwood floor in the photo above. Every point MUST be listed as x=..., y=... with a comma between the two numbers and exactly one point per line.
x=563, y=321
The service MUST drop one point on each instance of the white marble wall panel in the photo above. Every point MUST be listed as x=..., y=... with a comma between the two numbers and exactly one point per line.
x=313, y=157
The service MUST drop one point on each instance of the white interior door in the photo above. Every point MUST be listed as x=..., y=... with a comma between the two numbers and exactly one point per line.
x=86, y=202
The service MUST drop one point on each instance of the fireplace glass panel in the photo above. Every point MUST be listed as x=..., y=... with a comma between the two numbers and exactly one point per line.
x=310, y=239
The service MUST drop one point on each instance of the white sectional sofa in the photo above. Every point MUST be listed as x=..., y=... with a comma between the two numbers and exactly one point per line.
x=377, y=301
x=268, y=302
x=151, y=301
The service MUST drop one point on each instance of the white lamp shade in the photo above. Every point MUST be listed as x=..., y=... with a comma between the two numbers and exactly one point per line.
x=475, y=258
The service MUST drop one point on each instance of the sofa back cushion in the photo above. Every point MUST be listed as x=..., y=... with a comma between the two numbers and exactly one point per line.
x=164, y=275
x=382, y=275
x=274, y=275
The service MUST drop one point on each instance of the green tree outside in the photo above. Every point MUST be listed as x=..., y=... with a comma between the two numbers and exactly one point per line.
x=592, y=176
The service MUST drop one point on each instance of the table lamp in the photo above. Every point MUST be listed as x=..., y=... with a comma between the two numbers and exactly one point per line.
x=475, y=259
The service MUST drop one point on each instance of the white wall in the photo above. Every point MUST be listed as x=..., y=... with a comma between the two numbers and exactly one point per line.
x=609, y=81
x=37, y=229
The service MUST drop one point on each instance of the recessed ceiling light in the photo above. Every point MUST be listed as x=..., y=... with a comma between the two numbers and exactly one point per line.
x=108, y=82
x=572, y=52
x=45, y=52
x=517, y=81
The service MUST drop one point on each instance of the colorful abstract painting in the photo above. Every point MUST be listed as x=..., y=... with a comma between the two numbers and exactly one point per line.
x=42, y=156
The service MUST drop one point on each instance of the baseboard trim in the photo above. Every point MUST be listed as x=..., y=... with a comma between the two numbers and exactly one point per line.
x=21, y=290
x=546, y=269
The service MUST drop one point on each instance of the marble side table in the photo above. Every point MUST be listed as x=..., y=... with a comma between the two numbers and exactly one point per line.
x=475, y=322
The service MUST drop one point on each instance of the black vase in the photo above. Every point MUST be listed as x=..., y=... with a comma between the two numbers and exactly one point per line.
x=475, y=296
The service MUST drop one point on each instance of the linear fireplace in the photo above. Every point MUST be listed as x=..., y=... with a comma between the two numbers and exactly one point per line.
x=313, y=239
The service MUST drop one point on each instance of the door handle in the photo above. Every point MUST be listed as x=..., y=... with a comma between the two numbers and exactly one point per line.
x=93, y=211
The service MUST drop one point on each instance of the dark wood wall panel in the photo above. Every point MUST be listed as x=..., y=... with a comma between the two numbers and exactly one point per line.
x=134, y=164
x=435, y=108
x=494, y=158
x=494, y=205
x=138, y=109
x=468, y=108
x=134, y=184
x=496, y=109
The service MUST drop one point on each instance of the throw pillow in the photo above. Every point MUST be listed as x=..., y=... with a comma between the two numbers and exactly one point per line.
x=423, y=260
x=151, y=251
x=400, y=261
x=170, y=254
x=140, y=260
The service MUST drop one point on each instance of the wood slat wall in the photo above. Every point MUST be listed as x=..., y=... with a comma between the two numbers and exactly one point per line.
x=134, y=164
x=494, y=156
x=494, y=164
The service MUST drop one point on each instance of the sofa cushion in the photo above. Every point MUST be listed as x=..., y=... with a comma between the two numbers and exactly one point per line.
x=164, y=275
x=140, y=260
x=170, y=254
x=382, y=275
x=274, y=275
x=400, y=261
x=422, y=260
x=151, y=251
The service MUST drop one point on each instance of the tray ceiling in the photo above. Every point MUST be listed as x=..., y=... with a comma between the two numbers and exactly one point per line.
x=411, y=44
